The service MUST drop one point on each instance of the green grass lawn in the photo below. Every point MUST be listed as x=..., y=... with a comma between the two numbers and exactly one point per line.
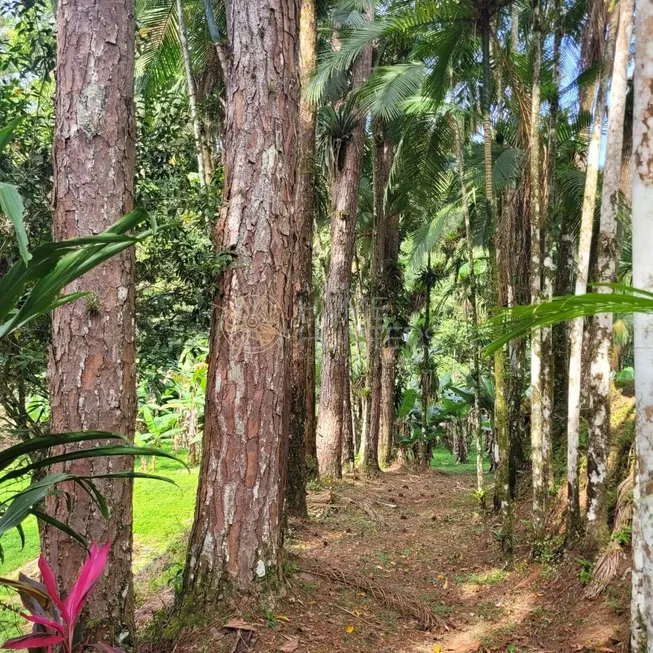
x=443, y=460
x=161, y=512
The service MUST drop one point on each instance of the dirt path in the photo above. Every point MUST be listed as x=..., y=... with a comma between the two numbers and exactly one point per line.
x=421, y=537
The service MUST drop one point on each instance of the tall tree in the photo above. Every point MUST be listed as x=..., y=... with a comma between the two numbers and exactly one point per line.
x=235, y=537
x=302, y=413
x=92, y=372
x=345, y=183
x=201, y=147
x=389, y=345
x=598, y=437
x=476, y=363
x=537, y=443
x=382, y=161
x=584, y=245
x=642, y=207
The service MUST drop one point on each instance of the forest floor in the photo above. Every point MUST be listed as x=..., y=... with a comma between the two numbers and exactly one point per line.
x=376, y=554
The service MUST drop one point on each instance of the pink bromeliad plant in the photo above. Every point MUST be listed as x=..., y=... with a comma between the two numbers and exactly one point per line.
x=55, y=620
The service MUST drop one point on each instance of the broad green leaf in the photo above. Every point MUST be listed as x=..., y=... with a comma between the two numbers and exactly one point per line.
x=11, y=204
x=12, y=454
x=7, y=132
x=97, y=452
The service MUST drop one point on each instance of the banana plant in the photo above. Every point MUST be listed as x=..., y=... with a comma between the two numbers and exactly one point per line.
x=32, y=287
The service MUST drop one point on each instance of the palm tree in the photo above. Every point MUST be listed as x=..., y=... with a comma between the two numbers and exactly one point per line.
x=537, y=443
x=584, y=245
x=642, y=203
x=302, y=414
x=607, y=259
x=346, y=167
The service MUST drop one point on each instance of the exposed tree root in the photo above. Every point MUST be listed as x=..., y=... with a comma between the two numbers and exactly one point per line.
x=395, y=600
x=320, y=504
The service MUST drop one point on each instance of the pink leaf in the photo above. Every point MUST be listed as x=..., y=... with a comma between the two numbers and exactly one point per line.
x=101, y=646
x=43, y=621
x=32, y=641
x=50, y=583
x=88, y=577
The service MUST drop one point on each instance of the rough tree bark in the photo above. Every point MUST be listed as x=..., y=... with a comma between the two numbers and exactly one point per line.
x=584, y=246
x=642, y=217
x=598, y=437
x=92, y=373
x=335, y=313
x=235, y=538
x=302, y=400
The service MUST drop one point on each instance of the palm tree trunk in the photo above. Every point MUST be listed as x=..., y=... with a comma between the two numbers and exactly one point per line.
x=236, y=534
x=426, y=368
x=302, y=385
x=500, y=408
x=548, y=267
x=514, y=26
x=537, y=444
x=335, y=316
x=348, y=444
x=642, y=216
x=638, y=635
x=92, y=372
x=382, y=159
x=584, y=246
x=391, y=342
x=598, y=439
x=200, y=145
x=476, y=373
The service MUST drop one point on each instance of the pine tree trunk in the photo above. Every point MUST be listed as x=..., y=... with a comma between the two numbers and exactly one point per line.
x=92, y=373
x=598, y=437
x=303, y=325
x=382, y=160
x=584, y=246
x=335, y=311
x=235, y=538
x=200, y=145
x=642, y=216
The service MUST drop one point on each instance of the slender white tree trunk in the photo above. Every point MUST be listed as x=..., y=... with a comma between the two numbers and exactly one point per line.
x=548, y=266
x=638, y=600
x=537, y=445
x=584, y=245
x=642, y=216
x=599, y=421
x=192, y=93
